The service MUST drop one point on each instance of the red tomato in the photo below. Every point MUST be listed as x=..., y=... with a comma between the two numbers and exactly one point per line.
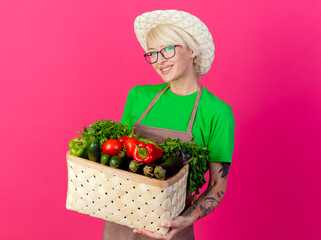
x=122, y=140
x=111, y=147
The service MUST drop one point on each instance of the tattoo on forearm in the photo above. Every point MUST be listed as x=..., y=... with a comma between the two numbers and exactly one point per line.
x=208, y=205
x=208, y=202
x=191, y=209
x=219, y=194
x=225, y=168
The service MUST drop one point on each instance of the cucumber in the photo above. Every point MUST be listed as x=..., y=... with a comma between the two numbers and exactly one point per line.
x=115, y=161
x=93, y=149
x=104, y=159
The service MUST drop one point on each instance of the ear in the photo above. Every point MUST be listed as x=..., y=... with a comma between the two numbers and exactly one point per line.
x=193, y=55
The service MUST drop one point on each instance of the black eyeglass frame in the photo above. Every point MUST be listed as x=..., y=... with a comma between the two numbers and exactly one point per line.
x=160, y=51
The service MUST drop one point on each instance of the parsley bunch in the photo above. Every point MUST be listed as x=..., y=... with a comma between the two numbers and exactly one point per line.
x=107, y=129
x=196, y=156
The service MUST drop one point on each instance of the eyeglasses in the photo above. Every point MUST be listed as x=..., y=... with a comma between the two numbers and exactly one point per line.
x=167, y=52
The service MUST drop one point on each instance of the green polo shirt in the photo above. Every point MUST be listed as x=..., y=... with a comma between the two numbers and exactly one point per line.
x=213, y=125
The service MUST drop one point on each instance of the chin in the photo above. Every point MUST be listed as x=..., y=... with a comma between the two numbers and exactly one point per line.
x=168, y=78
x=172, y=78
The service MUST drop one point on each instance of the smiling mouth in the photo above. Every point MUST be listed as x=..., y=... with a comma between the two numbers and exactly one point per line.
x=166, y=70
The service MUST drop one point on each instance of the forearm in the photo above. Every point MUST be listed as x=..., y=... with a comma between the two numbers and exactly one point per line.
x=206, y=203
x=213, y=195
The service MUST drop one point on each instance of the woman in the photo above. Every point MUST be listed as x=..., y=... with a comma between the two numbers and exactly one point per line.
x=181, y=50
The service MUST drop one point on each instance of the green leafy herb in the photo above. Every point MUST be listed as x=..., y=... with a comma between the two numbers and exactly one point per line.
x=196, y=156
x=107, y=129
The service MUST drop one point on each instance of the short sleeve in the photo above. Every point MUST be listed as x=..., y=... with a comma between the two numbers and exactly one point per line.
x=221, y=142
x=128, y=110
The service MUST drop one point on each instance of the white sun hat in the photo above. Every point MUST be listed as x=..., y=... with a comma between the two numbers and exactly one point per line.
x=188, y=22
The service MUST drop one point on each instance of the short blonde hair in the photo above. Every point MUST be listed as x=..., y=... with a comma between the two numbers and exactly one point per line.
x=167, y=34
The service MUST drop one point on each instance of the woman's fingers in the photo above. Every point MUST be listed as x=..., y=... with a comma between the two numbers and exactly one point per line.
x=148, y=233
x=177, y=222
x=173, y=226
x=170, y=224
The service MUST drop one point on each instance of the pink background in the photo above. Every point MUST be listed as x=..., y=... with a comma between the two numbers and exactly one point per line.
x=65, y=64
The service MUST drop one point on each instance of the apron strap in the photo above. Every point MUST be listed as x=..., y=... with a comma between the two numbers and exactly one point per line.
x=152, y=104
x=191, y=121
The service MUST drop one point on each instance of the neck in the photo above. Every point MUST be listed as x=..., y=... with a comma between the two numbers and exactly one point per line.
x=185, y=85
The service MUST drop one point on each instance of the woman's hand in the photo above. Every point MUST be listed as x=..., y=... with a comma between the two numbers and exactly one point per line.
x=175, y=226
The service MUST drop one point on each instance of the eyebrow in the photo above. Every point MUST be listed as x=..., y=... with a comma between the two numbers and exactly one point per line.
x=154, y=48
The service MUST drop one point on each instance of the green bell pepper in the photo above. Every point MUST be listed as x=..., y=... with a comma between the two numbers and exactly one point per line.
x=78, y=147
